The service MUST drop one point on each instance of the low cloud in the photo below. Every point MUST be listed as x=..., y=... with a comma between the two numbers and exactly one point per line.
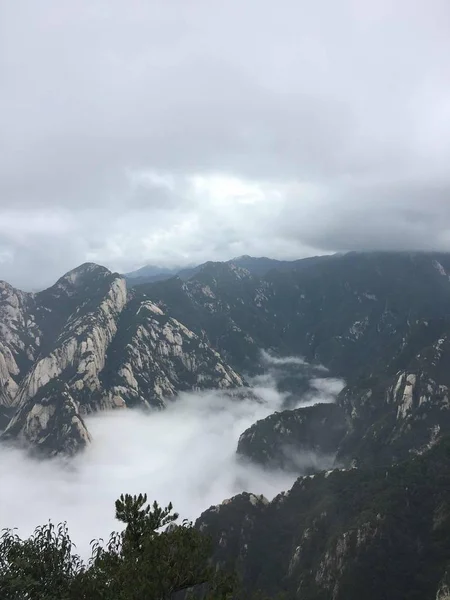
x=185, y=454
x=327, y=388
x=299, y=383
x=270, y=359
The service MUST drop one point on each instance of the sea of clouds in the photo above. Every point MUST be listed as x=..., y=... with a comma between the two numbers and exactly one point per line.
x=185, y=454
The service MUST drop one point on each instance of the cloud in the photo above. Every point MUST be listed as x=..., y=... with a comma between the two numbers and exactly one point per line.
x=277, y=361
x=325, y=389
x=311, y=127
x=185, y=454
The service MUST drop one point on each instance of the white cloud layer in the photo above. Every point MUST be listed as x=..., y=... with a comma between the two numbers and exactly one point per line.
x=185, y=454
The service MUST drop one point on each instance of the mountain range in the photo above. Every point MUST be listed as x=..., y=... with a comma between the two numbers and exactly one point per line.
x=254, y=265
x=378, y=523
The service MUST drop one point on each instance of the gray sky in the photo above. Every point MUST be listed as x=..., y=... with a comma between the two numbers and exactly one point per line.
x=176, y=131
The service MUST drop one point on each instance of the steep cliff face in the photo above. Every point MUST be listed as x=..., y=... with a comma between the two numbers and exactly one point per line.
x=19, y=339
x=156, y=356
x=51, y=422
x=344, y=535
x=85, y=345
x=77, y=352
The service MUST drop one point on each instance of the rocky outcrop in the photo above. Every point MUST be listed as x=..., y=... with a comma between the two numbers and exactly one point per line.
x=50, y=423
x=156, y=356
x=402, y=414
x=80, y=349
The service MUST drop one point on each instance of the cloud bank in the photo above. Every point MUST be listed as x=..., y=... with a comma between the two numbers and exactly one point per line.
x=185, y=454
x=174, y=132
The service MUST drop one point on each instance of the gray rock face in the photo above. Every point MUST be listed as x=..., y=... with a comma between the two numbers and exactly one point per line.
x=156, y=356
x=86, y=345
x=19, y=340
x=51, y=423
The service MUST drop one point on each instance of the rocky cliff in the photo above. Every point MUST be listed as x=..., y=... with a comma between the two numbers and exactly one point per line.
x=86, y=345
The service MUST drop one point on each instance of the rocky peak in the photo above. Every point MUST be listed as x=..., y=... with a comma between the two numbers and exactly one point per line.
x=85, y=273
x=98, y=348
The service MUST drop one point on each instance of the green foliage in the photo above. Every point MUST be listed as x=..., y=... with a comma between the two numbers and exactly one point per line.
x=39, y=567
x=152, y=558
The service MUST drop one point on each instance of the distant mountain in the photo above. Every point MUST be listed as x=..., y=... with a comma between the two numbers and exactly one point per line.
x=262, y=265
x=150, y=273
x=259, y=266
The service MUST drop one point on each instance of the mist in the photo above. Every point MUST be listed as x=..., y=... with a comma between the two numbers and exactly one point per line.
x=185, y=454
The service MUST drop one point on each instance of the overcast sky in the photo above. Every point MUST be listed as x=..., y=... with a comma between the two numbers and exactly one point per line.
x=177, y=131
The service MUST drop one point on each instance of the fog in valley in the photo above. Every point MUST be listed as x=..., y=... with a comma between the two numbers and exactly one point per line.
x=185, y=454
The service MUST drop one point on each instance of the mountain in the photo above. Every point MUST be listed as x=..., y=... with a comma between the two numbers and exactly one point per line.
x=369, y=515
x=377, y=524
x=254, y=265
x=86, y=344
x=262, y=265
x=150, y=273
x=381, y=533
x=379, y=320
x=345, y=312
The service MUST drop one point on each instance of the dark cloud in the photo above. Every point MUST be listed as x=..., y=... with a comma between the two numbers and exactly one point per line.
x=136, y=132
x=407, y=215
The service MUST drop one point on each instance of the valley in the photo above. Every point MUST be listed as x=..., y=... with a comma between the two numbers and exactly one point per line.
x=225, y=386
